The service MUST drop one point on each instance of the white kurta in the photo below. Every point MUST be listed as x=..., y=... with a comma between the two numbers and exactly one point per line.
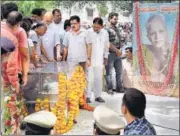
x=100, y=50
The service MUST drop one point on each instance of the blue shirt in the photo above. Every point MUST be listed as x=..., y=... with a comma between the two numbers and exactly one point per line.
x=139, y=127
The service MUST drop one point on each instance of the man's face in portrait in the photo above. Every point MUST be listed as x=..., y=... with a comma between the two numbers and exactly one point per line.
x=157, y=33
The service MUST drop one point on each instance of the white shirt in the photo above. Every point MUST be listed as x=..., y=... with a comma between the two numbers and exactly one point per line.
x=59, y=28
x=76, y=43
x=30, y=45
x=30, y=42
x=36, y=39
x=128, y=73
x=49, y=40
x=100, y=46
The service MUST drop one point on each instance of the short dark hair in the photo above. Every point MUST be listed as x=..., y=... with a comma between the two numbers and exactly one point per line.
x=111, y=15
x=56, y=10
x=66, y=24
x=14, y=18
x=42, y=9
x=28, y=20
x=26, y=26
x=7, y=8
x=37, y=11
x=75, y=17
x=98, y=20
x=135, y=101
x=39, y=24
x=100, y=132
x=129, y=48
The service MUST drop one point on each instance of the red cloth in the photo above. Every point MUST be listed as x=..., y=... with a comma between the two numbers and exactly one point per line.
x=21, y=36
x=10, y=67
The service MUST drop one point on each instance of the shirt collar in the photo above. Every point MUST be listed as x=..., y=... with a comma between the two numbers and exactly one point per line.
x=58, y=23
x=98, y=32
x=80, y=31
x=134, y=123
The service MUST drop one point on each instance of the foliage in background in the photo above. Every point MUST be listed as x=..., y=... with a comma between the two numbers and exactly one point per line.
x=101, y=5
x=26, y=6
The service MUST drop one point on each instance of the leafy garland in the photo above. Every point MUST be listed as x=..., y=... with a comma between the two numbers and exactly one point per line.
x=139, y=49
x=14, y=111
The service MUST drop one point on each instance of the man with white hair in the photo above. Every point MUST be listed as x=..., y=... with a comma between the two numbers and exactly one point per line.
x=157, y=34
x=157, y=55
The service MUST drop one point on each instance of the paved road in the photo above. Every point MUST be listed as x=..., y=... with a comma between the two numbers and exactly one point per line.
x=162, y=112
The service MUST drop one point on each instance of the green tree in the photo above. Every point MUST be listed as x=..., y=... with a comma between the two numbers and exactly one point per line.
x=102, y=8
x=27, y=6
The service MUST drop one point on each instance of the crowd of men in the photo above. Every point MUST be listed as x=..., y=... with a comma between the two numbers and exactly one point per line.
x=45, y=37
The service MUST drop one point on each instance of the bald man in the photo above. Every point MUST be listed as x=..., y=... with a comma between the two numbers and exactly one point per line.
x=48, y=18
x=50, y=40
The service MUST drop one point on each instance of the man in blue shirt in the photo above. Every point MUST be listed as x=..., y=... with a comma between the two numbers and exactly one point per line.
x=133, y=109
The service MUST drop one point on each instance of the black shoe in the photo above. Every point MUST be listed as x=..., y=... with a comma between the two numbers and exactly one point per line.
x=110, y=92
x=99, y=99
x=120, y=90
x=88, y=100
x=114, y=90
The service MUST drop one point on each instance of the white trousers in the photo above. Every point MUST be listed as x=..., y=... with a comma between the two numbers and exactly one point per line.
x=95, y=81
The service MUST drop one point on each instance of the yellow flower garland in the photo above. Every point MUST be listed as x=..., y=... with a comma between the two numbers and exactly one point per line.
x=42, y=105
x=70, y=93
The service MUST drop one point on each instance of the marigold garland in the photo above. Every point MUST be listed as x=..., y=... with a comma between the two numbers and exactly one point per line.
x=71, y=95
x=42, y=105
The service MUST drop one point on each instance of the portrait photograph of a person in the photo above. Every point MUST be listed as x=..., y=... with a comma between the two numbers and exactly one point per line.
x=157, y=49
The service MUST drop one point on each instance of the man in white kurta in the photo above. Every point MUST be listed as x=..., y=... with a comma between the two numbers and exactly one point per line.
x=99, y=55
